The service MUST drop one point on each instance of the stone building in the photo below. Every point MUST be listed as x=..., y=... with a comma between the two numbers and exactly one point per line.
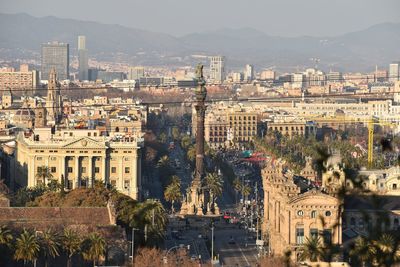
x=229, y=125
x=293, y=127
x=296, y=209
x=80, y=157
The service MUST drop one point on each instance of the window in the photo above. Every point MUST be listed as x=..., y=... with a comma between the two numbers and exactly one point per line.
x=113, y=183
x=39, y=158
x=69, y=169
x=314, y=214
x=96, y=169
x=300, y=213
x=53, y=169
x=299, y=235
x=394, y=186
x=83, y=169
x=126, y=184
x=38, y=169
x=327, y=235
x=127, y=170
x=313, y=233
x=113, y=169
x=328, y=213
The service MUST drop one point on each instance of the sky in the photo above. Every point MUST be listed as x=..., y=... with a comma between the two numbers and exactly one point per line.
x=180, y=17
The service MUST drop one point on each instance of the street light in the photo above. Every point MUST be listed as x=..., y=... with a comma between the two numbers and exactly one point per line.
x=133, y=244
x=36, y=235
x=212, y=244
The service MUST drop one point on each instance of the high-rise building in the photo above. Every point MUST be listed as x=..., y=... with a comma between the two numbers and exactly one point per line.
x=135, y=73
x=394, y=72
x=217, y=69
x=83, y=59
x=23, y=79
x=267, y=75
x=55, y=55
x=249, y=72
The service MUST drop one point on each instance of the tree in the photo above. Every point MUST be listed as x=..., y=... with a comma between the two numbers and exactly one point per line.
x=71, y=244
x=26, y=247
x=44, y=173
x=94, y=247
x=363, y=250
x=49, y=243
x=163, y=162
x=186, y=142
x=173, y=191
x=150, y=215
x=246, y=191
x=310, y=250
x=214, y=183
x=162, y=137
x=237, y=186
x=175, y=133
x=191, y=153
x=5, y=241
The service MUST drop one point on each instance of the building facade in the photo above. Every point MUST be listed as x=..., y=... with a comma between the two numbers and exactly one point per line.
x=394, y=72
x=294, y=211
x=23, y=79
x=80, y=157
x=55, y=56
x=217, y=69
x=83, y=60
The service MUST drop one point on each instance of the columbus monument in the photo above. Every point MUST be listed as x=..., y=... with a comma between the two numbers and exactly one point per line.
x=196, y=201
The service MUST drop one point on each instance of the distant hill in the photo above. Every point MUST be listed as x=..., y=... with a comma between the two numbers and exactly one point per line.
x=22, y=34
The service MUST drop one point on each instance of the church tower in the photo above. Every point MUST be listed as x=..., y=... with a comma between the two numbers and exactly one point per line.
x=40, y=116
x=53, y=101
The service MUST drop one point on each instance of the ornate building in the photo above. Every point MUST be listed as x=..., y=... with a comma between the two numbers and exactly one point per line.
x=296, y=209
x=80, y=157
x=54, y=100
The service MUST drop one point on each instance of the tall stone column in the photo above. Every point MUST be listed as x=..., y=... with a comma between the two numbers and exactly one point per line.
x=103, y=169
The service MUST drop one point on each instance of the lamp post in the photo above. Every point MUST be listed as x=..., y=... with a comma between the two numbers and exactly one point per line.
x=212, y=244
x=133, y=245
x=36, y=235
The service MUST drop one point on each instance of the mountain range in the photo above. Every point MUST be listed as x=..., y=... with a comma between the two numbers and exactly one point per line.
x=21, y=36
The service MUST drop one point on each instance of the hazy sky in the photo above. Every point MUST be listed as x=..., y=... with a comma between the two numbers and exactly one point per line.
x=178, y=17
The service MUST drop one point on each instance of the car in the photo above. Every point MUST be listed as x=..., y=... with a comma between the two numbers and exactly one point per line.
x=193, y=257
x=227, y=215
x=231, y=241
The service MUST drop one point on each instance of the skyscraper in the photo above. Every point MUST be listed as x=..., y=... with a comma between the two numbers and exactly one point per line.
x=83, y=67
x=394, y=72
x=249, y=72
x=135, y=73
x=217, y=69
x=55, y=55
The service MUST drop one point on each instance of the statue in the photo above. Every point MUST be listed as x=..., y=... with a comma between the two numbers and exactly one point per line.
x=199, y=72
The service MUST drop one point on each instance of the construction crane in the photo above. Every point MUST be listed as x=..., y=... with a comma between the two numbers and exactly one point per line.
x=370, y=123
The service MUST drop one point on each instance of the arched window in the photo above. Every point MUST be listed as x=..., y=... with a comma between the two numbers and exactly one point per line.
x=314, y=214
x=117, y=129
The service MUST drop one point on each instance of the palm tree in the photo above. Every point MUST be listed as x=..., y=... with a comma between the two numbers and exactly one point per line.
x=214, y=183
x=363, y=250
x=26, y=247
x=71, y=243
x=5, y=241
x=150, y=216
x=186, y=142
x=175, y=180
x=163, y=162
x=246, y=191
x=44, y=173
x=311, y=249
x=191, y=153
x=94, y=248
x=173, y=193
x=49, y=243
x=237, y=186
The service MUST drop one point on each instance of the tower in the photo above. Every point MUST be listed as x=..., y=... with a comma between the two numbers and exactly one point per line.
x=83, y=59
x=217, y=69
x=53, y=101
x=196, y=201
x=40, y=116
